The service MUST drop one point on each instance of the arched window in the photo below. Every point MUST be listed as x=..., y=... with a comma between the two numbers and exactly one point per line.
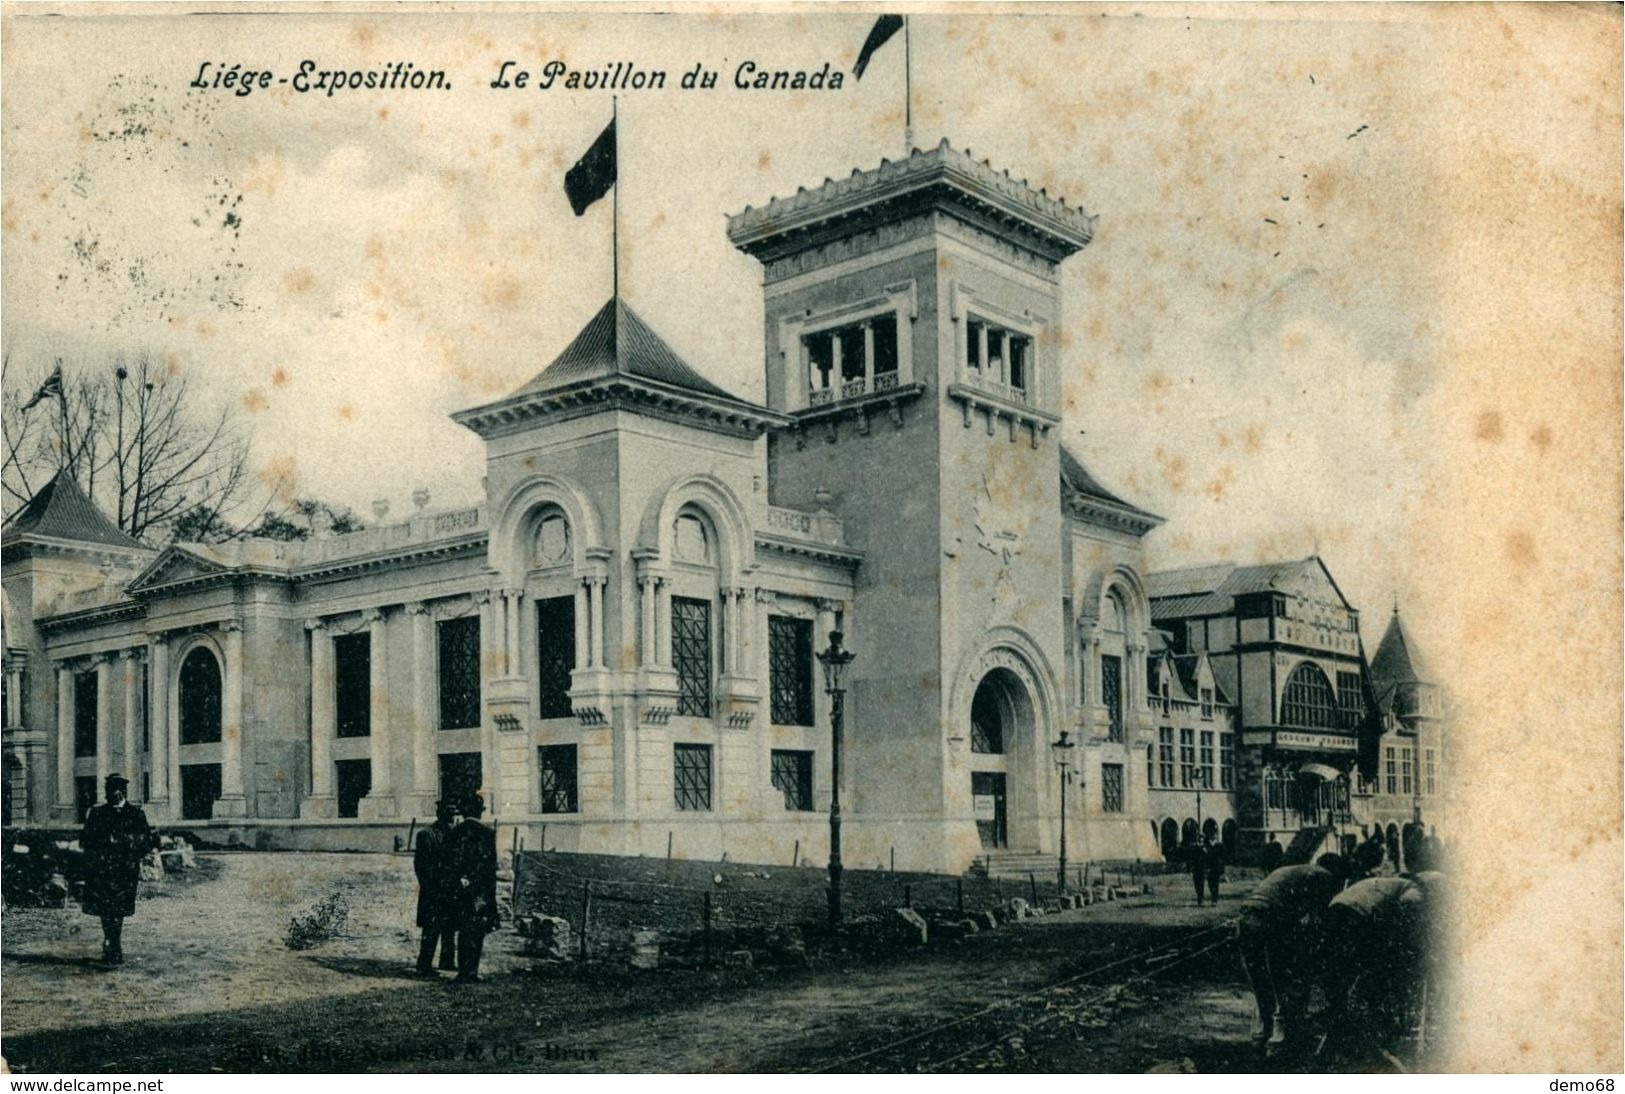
x=696, y=625
x=986, y=719
x=200, y=698
x=1309, y=700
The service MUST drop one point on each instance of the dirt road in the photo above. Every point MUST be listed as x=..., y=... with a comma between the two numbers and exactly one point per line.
x=211, y=985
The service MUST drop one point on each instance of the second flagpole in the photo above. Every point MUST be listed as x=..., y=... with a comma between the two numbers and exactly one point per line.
x=615, y=220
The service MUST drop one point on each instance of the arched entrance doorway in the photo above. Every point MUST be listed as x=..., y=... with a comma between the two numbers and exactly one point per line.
x=1230, y=835
x=1170, y=838
x=1001, y=722
x=199, y=725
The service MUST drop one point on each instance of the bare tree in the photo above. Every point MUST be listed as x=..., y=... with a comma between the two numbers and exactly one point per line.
x=143, y=444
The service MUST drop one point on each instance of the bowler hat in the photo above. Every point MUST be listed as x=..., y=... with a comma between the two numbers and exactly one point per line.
x=116, y=779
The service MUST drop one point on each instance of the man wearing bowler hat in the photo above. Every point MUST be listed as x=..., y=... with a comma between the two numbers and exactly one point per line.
x=473, y=855
x=437, y=896
x=117, y=837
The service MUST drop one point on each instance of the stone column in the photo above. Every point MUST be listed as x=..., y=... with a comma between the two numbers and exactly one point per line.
x=646, y=615
x=232, y=803
x=595, y=636
x=132, y=712
x=663, y=623
x=378, y=711
x=490, y=603
x=323, y=723
x=64, y=738
x=158, y=721
x=14, y=693
x=425, y=769
x=511, y=646
x=582, y=632
x=104, y=719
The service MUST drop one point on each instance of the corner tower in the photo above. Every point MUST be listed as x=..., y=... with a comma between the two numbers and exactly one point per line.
x=912, y=335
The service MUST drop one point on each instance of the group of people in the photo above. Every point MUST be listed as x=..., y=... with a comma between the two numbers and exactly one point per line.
x=1364, y=940
x=456, y=866
x=1206, y=860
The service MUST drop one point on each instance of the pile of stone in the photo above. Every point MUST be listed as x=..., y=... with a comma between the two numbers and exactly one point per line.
x=34, y=870
x=547, y=938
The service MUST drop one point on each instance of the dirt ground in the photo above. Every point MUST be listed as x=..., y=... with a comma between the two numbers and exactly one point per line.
x=210, y=985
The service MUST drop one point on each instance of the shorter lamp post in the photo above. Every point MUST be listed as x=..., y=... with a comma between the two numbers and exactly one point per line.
x=835, y=659
x=1063, y=765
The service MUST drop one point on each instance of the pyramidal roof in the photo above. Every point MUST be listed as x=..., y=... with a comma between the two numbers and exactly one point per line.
x=617, y=342
x=1394, y=662
x=62, y=511
x=1077, y=476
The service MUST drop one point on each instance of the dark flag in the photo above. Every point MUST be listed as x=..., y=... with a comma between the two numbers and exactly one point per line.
x=884, y=28
x=1369, y=740
x=51, y=388
x=594, y=173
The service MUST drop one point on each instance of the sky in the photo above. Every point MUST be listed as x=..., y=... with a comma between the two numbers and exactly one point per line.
x=1251, y=341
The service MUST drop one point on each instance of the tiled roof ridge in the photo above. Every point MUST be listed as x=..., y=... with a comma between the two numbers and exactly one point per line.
x=943, y=155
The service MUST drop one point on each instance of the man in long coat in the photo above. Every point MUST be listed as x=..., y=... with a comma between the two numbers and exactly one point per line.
x=116, y=838
x=437, y=899
x=473, y=854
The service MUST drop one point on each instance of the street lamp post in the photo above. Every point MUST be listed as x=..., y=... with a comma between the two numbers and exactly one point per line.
x=1063, y=763
x=835, y=659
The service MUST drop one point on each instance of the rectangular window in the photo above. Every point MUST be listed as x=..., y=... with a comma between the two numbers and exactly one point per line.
x=555, y=655
x=1187, y=758
x=790, y=669
x=352, y=684
x=1227, y=761
x=792, y=774
x=1165, y=755
x=1392, y=771
x=200, y=787
x=84, y=713
x=1111, y=788
x=1111, y=693
x=820, y=350
x=460, y=776
x=999, y=356
x=691, y=655
x=459, y=672
x=845, y=360
x=1020, y=356
x=1206, y=779
x=691, y=766
x=1349, y=702
x=885, y=328
x=1405, y=763
x=352, y=782
x=973, y=344
x=1150, y=765
x=1207, y=704
x=1432, y=785
x=557, y=764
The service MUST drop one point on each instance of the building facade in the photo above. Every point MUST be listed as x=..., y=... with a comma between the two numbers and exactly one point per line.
x=618, y=646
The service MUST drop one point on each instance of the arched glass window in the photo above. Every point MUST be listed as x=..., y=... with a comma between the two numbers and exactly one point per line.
x=1309, y=699
x=986, y=719
x=200, y=698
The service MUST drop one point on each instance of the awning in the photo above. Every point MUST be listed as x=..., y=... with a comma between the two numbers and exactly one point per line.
x=1330, y=774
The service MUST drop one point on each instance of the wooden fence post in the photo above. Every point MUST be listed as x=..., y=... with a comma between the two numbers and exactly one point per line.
x=586, y=911
x=795, y=856
x=706, y=920
x=1033, y=882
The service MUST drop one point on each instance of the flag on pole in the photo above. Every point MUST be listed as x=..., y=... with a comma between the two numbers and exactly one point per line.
x=51, y=388
x=879, y=35
x=594, y=173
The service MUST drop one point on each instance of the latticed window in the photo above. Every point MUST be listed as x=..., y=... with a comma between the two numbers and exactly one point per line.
x=692, y=769
x=352, y=684
x=1150, y=765
x=691, y=655
x=1349, y=703
x=790, y=659
x=1205, y=779
x=1405, y=764
x=1432, y=785
x=1165, y=755
x=200, y=698
x=558, y=767
x=1187, y=758
x=1207, y=702
x=84, y=713
x=1111, y=693
x=792, y=773
x=1309, y=699
x=459, y=673
x=1227, y=761
x=1392, y=769
x=986, y=722
x=1111, y=788
x=555, y=655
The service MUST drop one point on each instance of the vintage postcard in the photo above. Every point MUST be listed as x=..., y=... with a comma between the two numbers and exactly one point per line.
x=824, y=538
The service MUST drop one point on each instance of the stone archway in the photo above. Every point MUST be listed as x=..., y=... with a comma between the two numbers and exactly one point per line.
x=1170, y=838
x=1002, y=720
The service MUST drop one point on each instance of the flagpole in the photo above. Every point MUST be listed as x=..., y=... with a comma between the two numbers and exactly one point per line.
x=908, y=95
x=615, y=228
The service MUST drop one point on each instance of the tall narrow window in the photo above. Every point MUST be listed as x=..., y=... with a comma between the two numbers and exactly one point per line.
x=1207, y=703
x=1205, y=781
x=1187, y=758
x=1150, y=765
x=885, y=328
x=986, y=720
x=1111, y=788
x=792, y=774
x=1020, y=355
x=1432, y=786
x=1227, y=761
x=555, y=655
x=459, y=672
x=1111, y=693
x=84, y=713
x=1349, y=702
x=1165, y=755
x=973, y=344
x=820, y=364
x=352, y=685
x=790, y=661
x=1405, y=764
x=558, y=767
x=691, y=766
x=691, y=655
x=200, y=699
x=1392, y=770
